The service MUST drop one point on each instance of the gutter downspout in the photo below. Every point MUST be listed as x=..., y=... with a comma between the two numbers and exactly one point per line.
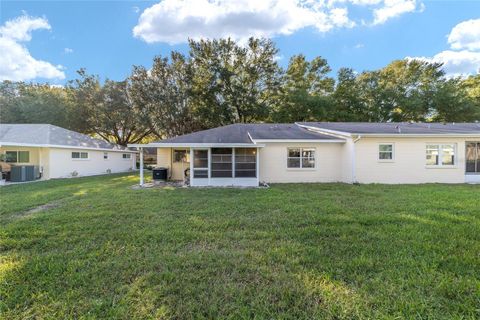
x=354, y=166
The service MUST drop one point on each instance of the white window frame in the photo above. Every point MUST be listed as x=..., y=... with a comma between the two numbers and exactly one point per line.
x=127, y=158
x=393, y=152
x=440, y=156
x=80, y=155
x=301, y=159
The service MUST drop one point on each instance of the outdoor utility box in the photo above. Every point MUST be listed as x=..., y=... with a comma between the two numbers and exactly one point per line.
x=23, y=173
x=160, y=174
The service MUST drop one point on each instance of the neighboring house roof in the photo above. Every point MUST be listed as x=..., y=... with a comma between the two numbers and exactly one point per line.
x=247, y=134
x=397, y=128
x=47, y=135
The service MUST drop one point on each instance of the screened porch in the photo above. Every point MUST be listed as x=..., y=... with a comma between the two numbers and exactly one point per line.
x=224, y=166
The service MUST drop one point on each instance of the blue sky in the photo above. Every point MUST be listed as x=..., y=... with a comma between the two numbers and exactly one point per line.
x=47, y=41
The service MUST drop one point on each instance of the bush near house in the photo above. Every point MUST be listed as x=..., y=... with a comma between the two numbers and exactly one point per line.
x=95, y=248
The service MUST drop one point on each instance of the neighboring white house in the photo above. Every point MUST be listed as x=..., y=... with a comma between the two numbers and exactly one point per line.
x=247, y=154
x=60, y=153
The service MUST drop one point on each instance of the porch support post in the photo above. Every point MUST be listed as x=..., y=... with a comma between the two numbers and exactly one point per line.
x=257, y=164
x=191, y=165
x=209, y=165
x=233, y=163
x=141, y=166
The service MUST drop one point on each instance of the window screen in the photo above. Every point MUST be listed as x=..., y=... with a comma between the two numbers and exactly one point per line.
x=79, y=155
x=385, y=152
x=440, y=154
x=221, y=162
x=301, y=158
x=200, y=163
x=245, y=163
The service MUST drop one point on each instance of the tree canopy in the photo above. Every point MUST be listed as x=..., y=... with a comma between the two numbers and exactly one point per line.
x=221, y=82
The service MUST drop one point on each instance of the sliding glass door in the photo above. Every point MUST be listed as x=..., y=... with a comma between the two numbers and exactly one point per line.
x=472, y=157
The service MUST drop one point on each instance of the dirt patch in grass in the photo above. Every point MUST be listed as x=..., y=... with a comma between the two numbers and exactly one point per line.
x=36, y=210
x=47, y=206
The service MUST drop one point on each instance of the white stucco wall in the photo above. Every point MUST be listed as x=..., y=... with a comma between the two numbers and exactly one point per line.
x=328, y=157
x=409, y=164
x=340, y=162
x=62, y=165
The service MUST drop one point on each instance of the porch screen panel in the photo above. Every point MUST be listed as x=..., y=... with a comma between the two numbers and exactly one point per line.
x=245, y=163
x=221, y=162
x=200, y=163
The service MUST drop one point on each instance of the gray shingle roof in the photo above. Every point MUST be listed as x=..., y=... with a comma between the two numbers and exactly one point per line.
x=239, y=133
x=47, y=134
x=398, y=127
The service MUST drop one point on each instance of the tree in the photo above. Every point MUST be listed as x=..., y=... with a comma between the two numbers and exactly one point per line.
x=472, y=87
x=163, y=93
x=306, y=91
x=347, y=98
x=455, y=101
x=34, y=103
x=109, y=109
x=405, y=90
x=233, y=83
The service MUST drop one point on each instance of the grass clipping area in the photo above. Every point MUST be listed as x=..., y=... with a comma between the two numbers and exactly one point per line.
x=310, y=251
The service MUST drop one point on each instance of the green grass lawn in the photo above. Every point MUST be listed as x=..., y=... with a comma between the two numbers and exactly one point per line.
x=304, y=251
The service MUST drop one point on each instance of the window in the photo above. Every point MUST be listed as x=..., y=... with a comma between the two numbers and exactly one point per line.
x=245, y=163
x=385, y=151
x=11, y=156
x=472, y=157
x=180, y=156
x=301, y=158
x=221, y=163
x=126, y=156
x=80, y=155
x=105, y=155
x=440, y=155
x=17, y=156
x=200, y=163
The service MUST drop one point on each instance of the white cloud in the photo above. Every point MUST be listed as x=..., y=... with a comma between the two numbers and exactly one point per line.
x=68, y=50
x=464, y=58
x=465, y=35
x=174, y=21
x=359, y=46
x=456, y=63
x=16, y=62
x=136, y=9
x=392, y=9
x=20, y=29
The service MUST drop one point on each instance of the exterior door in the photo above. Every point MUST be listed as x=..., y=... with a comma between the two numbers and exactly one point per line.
x=180, y=163
x=472, y=158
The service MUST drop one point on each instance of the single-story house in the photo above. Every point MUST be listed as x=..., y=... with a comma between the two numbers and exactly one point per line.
x=56, y=152
x=391, y=153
